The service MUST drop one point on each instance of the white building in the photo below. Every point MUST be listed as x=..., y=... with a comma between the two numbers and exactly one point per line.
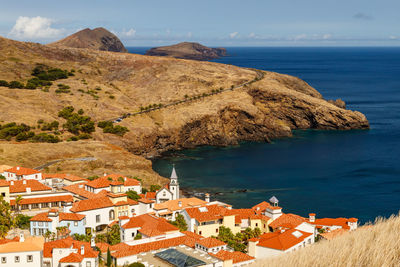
x=169, y=191
x=21, y=252
x=20, y=173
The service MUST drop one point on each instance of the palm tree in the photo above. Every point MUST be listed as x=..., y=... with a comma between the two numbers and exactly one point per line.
x=47, y=235
x=17, y=201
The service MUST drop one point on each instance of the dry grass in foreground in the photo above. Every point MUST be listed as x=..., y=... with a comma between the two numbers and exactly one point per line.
x=378, y=245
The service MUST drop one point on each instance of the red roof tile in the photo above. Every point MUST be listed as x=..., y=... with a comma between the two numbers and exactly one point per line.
x=207, y=213
x=71, y=216
x=34, y=185
x=282, y=241
x=67, y=243
x=22, y=171
x=92, y=204
x=288, y=220
x=69, y=177
x=37, y=200
x=73, y=257
x=210, y=242
x=149, y=225
x=235, y=256
x=79, y=189
x=41, y=217
x=103, y=182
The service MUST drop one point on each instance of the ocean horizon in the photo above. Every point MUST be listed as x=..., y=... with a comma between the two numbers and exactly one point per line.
x=331, y=173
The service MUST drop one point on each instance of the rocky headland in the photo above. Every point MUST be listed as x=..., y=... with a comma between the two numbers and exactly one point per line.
x=188, y=50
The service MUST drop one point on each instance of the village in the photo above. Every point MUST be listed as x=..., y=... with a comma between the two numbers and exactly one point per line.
x=112, y=221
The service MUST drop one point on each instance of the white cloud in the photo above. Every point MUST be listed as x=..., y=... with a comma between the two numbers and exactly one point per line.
x=300, y=37
x=252, y=35
x=34, y=28
x=327, y=36
x=233, y=35
x=130, y=33
x=392, y=37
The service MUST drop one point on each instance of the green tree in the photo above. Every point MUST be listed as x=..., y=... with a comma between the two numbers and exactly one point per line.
x=109, y=259
x=2, y=177
x=180, y=222
x=138, y=236
x=113, y=236
x=136, y=264
x=6, y=218
x=154, y=187
x=133, y=195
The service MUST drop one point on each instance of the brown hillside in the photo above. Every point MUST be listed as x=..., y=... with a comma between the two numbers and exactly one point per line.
x=269, y=108
x=98, y=39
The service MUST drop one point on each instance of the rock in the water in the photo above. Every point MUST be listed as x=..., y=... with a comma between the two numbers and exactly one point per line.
x=187, y=50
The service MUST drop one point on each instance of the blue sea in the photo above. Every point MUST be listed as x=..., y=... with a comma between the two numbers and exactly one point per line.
x=332, y=173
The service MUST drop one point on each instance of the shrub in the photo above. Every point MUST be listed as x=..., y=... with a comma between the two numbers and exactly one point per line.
x=16, y=84
x=136, y=264
x=45, y=138
x=132, y=195
x=84, y=136
x=117, y=129
x=4, y=83
x=104, y=124
x=154, y=187
x=24, y=136
x=73, y=138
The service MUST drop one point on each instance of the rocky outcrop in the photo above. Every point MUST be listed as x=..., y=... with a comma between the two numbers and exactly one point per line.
x=98, y=39
x=187, y=50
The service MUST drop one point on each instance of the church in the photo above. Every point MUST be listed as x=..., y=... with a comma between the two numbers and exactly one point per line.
x=170, y=191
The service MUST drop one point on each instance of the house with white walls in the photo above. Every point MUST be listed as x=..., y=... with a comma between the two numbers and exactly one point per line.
x=20, y=173
x=68, y=252
x=114, y=183
x=170, y=191
x=332, y=224
x=171, y=208
x=279, y=242
x=60, y=180
x=21, y=251
x=146, y=228
x=49, y=221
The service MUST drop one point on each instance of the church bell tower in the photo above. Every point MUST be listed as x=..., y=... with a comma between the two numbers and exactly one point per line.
x=173, y=184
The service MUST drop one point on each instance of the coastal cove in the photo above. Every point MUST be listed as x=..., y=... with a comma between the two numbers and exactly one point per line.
x=331, y=173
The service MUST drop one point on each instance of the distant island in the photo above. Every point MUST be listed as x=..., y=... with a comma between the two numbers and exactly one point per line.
x=188, y=50
x=98, y=39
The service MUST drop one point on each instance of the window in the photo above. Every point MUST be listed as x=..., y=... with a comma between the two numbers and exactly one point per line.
x=34, y=223
x=88, y=264
x=40, y=223
x=199, y=232
x=3, y=260
x=133, y=234
x=97, y=218
x=29, y=258
x=112, y=214
x=216, y=230
x=16, y=258
x=3, y=194
x=75, y=223
x=47, y=224
x=256, y=224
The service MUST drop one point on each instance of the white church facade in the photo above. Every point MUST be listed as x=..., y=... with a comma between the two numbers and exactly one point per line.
x=169, y=191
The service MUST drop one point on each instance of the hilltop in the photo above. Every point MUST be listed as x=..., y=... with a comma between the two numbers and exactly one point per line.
x=210, y=108
x=187, y=50
x=377, y=245
x=98, y=39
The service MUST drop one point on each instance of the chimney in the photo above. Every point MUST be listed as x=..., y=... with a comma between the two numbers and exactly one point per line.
x=311, y=217
x=92, y=242
x=28, y=190
x=12, y=182
x=21, y=237
x=207, y=197
x=17, y=168
x=80, y=186
x=24, y=181
x=105, y=174
x=180, y=203
x=82, y=250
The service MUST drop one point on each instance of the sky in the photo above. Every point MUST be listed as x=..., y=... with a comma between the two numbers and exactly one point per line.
x=210, y=22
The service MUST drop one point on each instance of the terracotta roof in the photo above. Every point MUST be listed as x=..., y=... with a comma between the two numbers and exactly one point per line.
x=73, y=257
x=4, y=183
x=4, y=167
x=103, y=182
x=282, y=241
x=150, y=195
x=30, y=244
x=192, y=235
x=34, y=185
x=41, y=217
x=69, y=177
x=145, y=200
x=235, y=256
x=209, y=213
x=261, y=207
x=127, y=181
x=6, y=240
x=103, y=246
x=92, y=204
x=37, y=200
x=68, y=243
x=333, y=222
x=132, y=202
x=173, y=205
x=333, y=234
x=149, y=225
x=71, y=216
x=22, y=171
x=243, y=214
x=210, y=242
x=165, y=243
x=79, y=189
x=288, y=220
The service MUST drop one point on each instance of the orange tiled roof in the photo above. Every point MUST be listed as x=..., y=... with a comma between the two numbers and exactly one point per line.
x=103, y=246
x=22, y=171
x=211, y=213
x=288, y=220
x=235, y=256
x=282, y=241
x=34, y=185
x=103, y=182
x=71, y=216
x=79, y=189
x=73, y=257
x=145, y=200
x=69, y=177
x=4, y=183
x=333, y=221
x=333, y=234
x=210, y=242
x=127, y=181
x=30, y=244
x=192, y=235
x=261, y=207
x=92, y=204
x=173, y=205
x=150, y=195
x=6, y=240
x=37, y=200
x=67, y=243
x=149, y=225
x=41, y=217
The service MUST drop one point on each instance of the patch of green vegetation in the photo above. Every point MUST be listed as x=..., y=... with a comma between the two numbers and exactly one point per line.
x=62, y=88
x=154, y=187
x=109, y=127
x=76, y=123
x=45, y=138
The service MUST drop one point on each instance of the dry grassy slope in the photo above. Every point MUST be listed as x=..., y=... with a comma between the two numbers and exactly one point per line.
x=374, y=246
x=269, y=108
x=108, y=159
